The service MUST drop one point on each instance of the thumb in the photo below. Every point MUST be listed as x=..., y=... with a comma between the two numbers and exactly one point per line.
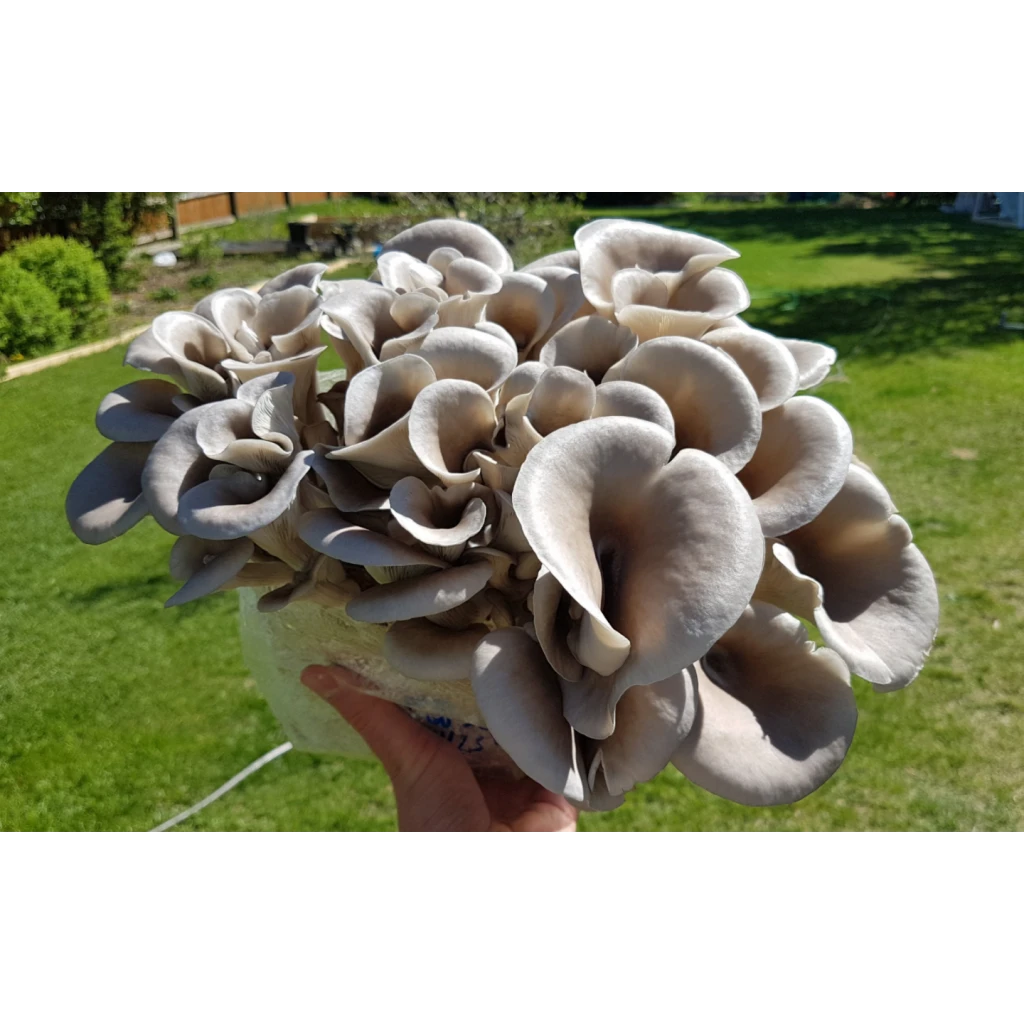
x=435, y=789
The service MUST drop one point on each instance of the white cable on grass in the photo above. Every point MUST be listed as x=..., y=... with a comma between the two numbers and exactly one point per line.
x=229, y=785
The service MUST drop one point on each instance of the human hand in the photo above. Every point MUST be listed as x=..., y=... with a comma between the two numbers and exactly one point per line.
x=435, y=788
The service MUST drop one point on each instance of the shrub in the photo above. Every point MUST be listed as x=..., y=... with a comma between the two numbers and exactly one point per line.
x=106, y=221
x=207, y=280
x=31, y=319
x=527, y=223
x=462, y=200
x=17, y=208
x=75, y=276
x=200, y=251
x=165, y=294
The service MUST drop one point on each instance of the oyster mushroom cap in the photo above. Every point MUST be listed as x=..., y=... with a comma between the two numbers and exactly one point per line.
x=880, y=606
x=404, y=273
x=521, y=381
x=525, y=307
x=422, y=650
x=568, y=258
x=520, y=699
x=665, y=553
x=813, y=360
x=799, y=464
x=430, y=594
x=330, y=533
x=561, y=396
x=591, y=344
x=106, y=498
x=767, y=362
x=449, y=419
x=139, y=411
x=382, y=394
x=439, y=516
x=347, y=488
x=187, y=348
x=469, y=239
x=233, y=506
x=713, y=404
x=306, y=274
x=775, y=716
x=462, y=353
x=625, y=398
x=206, y=566
x=607, y=246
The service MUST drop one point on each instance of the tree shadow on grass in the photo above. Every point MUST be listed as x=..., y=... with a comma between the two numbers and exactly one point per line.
x=969, y=275
x=907, y=316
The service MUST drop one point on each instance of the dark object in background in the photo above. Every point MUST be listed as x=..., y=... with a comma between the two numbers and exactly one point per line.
x=915, y=199
x=591, y=199
x=327, y=237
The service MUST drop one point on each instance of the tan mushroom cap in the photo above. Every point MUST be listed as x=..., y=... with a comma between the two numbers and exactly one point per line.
x=347, y=488
x=813, y=360
x=521, y=381
x=404, y=273
x=561, y=396
x=626, y=398
x=651, y=722
x=520, y=698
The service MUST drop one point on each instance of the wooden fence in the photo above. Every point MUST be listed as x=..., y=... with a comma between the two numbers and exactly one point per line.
x=192, y=210
x=209, y=209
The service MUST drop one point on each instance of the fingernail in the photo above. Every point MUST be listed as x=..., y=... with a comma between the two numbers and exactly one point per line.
x=321, y=679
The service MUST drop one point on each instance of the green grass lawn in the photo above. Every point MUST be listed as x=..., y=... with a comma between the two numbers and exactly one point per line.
x=116, y=713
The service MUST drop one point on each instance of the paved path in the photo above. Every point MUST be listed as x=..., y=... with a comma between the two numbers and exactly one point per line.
x=23, y=369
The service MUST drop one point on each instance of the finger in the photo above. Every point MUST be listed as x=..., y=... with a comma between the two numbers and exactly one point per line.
x=397, y=740
x=435, y=789
x=524, y=806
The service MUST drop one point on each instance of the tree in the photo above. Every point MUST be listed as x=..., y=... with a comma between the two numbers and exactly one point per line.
x=105, y=220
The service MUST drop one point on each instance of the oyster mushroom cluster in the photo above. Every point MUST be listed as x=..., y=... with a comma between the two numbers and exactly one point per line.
x=586, y=485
